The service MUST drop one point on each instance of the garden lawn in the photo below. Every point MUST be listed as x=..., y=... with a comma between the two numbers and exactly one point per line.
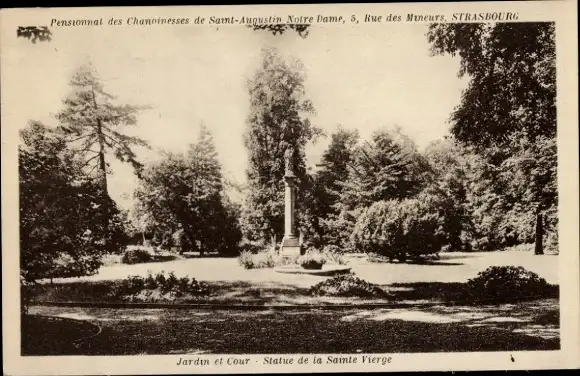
x=439, y=281
x=452, y=267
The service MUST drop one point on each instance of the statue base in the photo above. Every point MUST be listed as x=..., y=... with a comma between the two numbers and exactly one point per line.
x=290, y=247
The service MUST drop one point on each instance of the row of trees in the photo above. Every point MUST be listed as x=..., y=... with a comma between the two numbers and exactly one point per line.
x=472, y=203
x=491, y=184
x=67, y=218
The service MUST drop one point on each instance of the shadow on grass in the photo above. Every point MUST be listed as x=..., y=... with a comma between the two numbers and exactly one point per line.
x=268, y=292
x=53, y=336
x=445, y=260
x=164, y=258
x=81, y=291
x=254, y=292
x=457, y=292
x=197, y=255
x=222, y=292
x=433, y=262
x=275, y=332
x=154, y=259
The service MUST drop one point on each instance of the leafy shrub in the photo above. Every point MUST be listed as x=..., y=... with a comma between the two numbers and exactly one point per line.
x=136, y=255
x=400, y=229
x=66, y=266
x=166, y=286
x=507, y=283
x=312, y=259
x=264, y=259
x=134, y=284
x=160, y=279
x=347, y=285
x=150, y=282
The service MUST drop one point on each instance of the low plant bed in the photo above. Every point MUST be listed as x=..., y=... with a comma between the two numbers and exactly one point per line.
x=313, y=259
x=504, y=284
x=348, y=285
x=161, y=287
x=347, y=290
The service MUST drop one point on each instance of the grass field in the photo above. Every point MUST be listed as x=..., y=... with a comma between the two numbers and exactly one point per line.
x=440, y=281
x=308, y=328
x=452, y=267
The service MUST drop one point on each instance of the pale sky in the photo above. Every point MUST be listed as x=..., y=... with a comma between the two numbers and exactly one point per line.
x=362, y=77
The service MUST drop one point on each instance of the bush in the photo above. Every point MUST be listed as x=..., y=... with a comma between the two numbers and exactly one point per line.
x=402, y=229
x=312, y=259
x=134, y=284
x=167, y=286
x=315, y=259
x=136, y=255
x=333, y=255
x=347, y=285
x=66, y=266
x=264, y=259
x=507, y=283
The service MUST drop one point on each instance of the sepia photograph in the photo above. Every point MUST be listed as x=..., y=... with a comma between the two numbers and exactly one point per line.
x=334, y=185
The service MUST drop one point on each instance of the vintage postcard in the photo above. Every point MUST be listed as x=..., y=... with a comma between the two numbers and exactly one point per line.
x=290, y=188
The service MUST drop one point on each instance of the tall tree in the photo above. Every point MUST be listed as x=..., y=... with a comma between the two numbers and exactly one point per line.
x=278, y=121
x=327, y=185
x=386, y=167
x=512, y=87
x=60, y=210
x=335, y=162
x=454, y=178
x=184, y=192
x=94, y=124
x=511, y=97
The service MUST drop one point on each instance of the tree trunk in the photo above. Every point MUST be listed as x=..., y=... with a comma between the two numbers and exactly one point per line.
x=101, y=139
x=103, y=173
x=539, y=248
x=102, y=163
x=103, y=181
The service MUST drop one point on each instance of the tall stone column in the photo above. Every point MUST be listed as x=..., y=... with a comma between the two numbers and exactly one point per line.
x=290, y=243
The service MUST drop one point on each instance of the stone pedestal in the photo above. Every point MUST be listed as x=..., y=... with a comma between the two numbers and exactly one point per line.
x=290, y=243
